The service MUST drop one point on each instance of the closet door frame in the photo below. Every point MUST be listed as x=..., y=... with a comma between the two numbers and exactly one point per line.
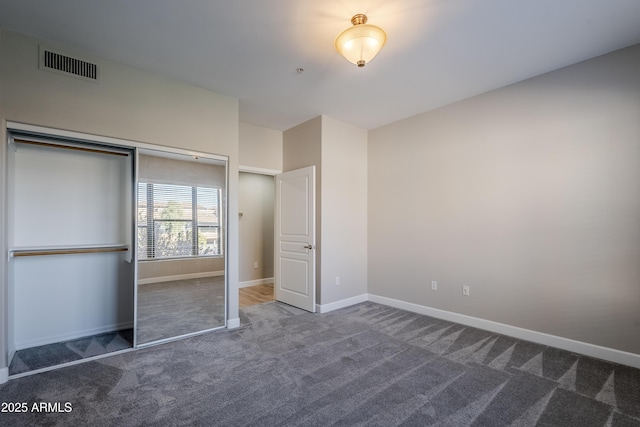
x=13, y=128
x=148, y=149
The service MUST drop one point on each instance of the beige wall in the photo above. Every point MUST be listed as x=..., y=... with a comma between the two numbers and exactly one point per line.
x=339, y=152
x=261, y=151
x=256, y=204
x=165, y=269
x=301, y=147
x=529, y=194
x=344, y=211
x=129, y=104
x=260, y=147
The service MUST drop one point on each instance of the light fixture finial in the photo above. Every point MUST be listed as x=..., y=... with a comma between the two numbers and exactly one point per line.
x=359, y=19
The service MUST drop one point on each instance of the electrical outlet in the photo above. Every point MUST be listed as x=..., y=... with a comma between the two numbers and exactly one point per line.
x=337, y=280
x=255, y=264
x=434, y=285
x=465, y=291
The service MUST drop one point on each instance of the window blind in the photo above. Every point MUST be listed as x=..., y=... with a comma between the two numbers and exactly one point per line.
x=178, y=221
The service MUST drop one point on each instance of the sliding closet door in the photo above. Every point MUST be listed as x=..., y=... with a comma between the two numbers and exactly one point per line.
x=181, y=286
x=71, y=261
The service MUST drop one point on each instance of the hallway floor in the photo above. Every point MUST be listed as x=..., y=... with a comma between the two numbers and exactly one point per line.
x=259, y=294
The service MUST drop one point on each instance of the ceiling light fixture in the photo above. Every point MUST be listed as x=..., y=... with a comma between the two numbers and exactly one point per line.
x=360, y=43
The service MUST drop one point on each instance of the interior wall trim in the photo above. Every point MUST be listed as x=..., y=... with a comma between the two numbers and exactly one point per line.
x=233, y=323
x=260, y=171
x=180, y=277
x=592, y=350
x=256, y=282
x=325, y=308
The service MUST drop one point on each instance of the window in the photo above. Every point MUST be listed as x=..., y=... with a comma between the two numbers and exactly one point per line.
x=178, y=221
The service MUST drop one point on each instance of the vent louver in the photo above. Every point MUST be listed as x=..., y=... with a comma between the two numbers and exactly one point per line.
x=65, y=64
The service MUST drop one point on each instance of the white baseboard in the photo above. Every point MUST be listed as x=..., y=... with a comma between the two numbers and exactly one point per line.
x=4, y=375
x=325, y=308
x=592, y=350
x=265, y=281
x=20, y=345
x=180, y=277
x=233, y=323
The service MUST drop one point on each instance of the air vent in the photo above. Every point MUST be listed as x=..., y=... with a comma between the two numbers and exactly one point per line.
x=69, y=65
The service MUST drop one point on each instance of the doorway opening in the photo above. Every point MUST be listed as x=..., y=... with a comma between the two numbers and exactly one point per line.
x=256, y=238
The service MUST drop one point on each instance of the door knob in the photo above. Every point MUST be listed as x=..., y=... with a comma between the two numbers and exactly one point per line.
x=308, y=247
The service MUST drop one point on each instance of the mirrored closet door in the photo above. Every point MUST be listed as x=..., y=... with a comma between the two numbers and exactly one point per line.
x=180, y=245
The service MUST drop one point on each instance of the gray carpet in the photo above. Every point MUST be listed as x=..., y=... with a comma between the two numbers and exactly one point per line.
x=363, y=365
x=44, y=356
x=170, y=309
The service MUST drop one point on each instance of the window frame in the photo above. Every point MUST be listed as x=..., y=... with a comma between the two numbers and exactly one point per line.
x=149, y=224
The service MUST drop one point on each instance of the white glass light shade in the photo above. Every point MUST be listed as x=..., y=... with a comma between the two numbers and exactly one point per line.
x=360, y=43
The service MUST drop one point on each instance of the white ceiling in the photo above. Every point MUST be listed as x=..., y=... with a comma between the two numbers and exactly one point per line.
x=437, y=52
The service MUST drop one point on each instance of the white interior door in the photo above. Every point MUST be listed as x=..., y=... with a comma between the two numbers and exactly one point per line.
x=295, y=272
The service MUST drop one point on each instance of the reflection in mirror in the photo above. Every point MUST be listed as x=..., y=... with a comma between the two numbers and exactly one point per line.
x=181, y=241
